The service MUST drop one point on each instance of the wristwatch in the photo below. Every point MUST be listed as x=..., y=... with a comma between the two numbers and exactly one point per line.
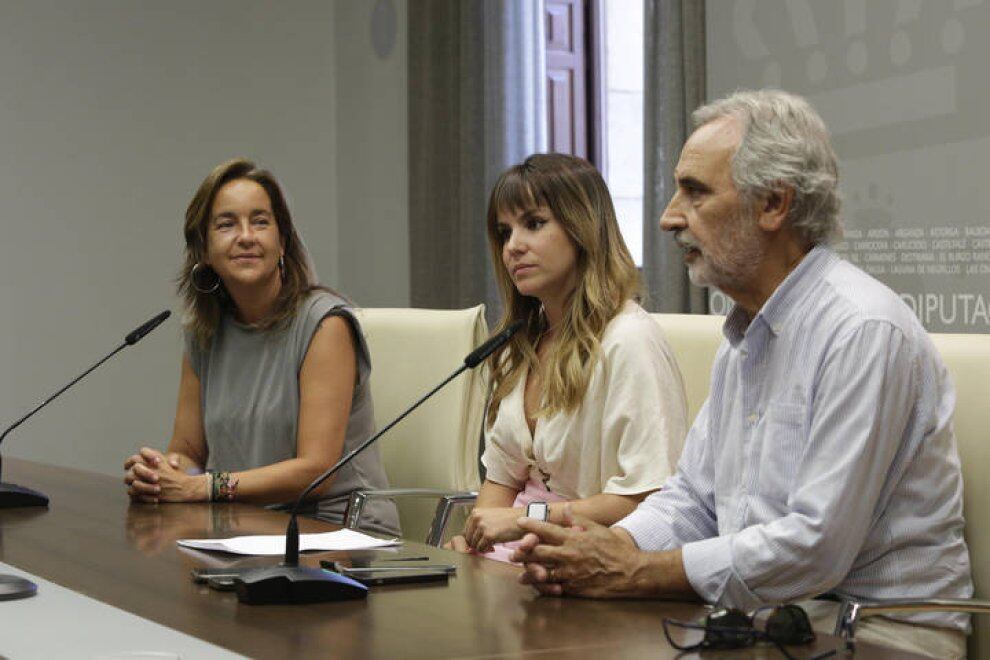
x=538, y=510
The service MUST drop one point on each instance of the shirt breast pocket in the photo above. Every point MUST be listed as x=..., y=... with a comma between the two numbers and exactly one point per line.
x=784, y=439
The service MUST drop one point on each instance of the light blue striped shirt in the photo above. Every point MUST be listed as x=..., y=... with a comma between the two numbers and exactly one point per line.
x=824, y=458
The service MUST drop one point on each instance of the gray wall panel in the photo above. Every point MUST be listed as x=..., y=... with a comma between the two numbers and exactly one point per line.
x=111, y=113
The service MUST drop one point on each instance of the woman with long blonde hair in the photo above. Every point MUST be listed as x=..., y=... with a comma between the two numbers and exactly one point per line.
x=587, y=402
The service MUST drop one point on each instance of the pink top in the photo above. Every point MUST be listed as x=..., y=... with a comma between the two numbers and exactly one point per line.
x=535, y=491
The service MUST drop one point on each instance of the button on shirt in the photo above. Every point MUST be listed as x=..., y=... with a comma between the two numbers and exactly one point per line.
x=823, y=459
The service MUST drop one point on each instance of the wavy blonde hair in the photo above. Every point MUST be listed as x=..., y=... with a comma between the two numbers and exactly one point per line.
x=575, y=193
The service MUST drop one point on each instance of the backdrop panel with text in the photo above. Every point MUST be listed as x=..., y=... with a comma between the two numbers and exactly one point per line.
x=902, y=86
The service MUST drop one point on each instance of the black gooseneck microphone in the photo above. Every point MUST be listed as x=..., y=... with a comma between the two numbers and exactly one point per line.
x=292, y=583
x=17, y=496
x=11, y=495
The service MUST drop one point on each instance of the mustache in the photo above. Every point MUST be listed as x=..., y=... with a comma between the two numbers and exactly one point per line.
x=686, y=241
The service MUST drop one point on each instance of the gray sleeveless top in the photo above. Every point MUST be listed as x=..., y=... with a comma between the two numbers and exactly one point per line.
x=249, y=382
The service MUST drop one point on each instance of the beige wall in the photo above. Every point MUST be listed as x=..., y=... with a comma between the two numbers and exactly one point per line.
x=112, y=112
x=372, y=159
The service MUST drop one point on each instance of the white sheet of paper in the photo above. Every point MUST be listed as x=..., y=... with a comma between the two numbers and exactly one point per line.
x=343, y=539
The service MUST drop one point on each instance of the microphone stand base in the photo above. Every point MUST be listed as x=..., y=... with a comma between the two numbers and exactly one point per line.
x=278, y=585
x=12, y=496
x=13, y=587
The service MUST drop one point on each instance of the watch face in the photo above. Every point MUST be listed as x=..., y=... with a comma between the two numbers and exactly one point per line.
x=537, y=510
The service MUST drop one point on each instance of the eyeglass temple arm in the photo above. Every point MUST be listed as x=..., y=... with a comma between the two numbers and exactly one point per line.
x=851, y=611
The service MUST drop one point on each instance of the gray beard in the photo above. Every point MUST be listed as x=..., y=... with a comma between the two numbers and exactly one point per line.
x=737, y=265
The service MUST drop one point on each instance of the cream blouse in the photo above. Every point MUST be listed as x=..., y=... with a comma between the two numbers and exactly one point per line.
x=627, y=434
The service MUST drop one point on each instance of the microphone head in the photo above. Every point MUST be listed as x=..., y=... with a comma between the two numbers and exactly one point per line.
x=480, y=354
x=138, y=333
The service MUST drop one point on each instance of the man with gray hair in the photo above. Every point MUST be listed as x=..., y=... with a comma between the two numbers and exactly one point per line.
x=823, y=461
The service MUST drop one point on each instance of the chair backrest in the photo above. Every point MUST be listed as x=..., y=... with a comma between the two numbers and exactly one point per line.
x=968, y=359
x=694, y=338
x=412, y=351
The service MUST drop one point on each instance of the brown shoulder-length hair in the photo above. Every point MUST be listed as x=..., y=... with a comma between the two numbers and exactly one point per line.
x=204, y=310
x=575, y=193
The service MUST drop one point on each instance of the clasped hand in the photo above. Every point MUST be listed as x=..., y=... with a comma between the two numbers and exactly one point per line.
x=579, y=557
x=152, y=477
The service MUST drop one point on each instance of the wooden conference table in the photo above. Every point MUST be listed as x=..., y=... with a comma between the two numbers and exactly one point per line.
x=92, y=541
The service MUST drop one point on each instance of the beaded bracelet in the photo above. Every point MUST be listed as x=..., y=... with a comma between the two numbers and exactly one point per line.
x=224, y=487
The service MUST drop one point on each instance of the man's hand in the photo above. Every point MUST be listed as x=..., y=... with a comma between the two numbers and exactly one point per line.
x=486, y=527
x=583, y=558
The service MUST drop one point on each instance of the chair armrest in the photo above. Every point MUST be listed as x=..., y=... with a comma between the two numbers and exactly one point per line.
x=445, y=506
x=448, y=500
x=851, y=611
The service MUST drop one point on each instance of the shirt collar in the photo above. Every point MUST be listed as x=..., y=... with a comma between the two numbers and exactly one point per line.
x=780, y=305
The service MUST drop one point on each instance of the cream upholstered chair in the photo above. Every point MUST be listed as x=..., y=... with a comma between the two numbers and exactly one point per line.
x=967, y=358
x=434, y=452
x=694, y=338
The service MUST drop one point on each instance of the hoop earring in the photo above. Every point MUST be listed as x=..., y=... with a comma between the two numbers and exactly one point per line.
x=195, y=285
x=281, y=266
